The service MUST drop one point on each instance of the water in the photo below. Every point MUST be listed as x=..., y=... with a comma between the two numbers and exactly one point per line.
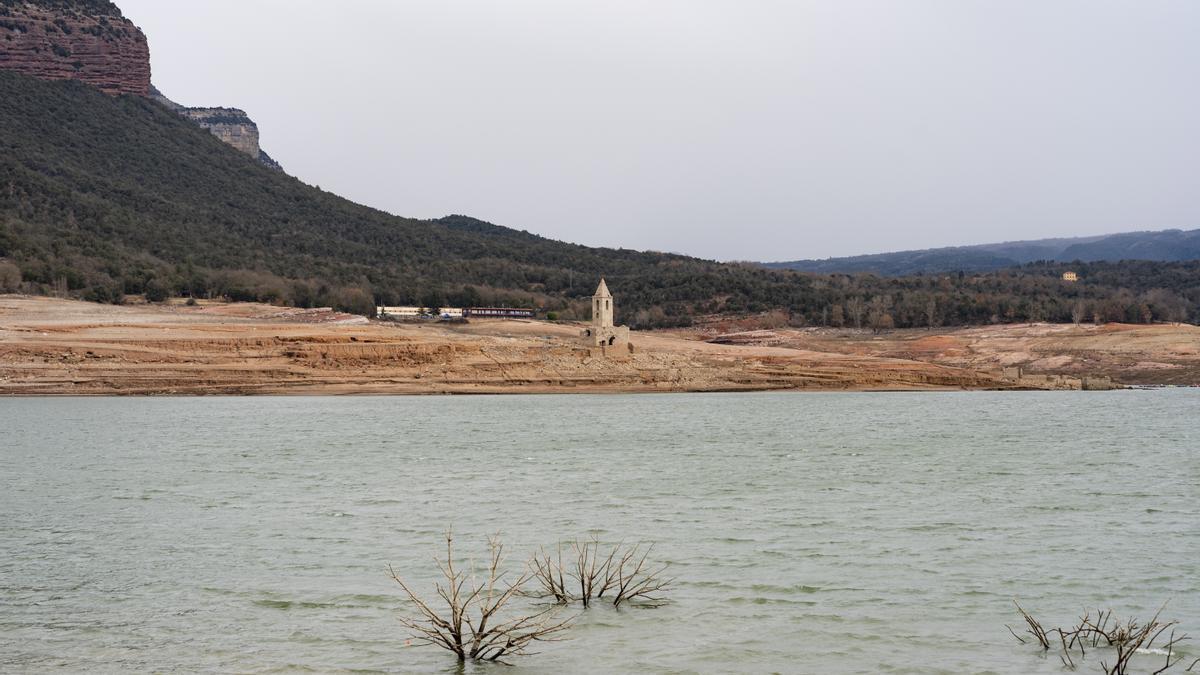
x=811, y=533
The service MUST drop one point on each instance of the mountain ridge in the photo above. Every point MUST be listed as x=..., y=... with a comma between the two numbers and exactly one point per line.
x=1172, y=245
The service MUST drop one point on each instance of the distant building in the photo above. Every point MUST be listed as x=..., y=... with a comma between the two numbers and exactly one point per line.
x=1070, y=276
x=499, y=312
x=602, y=332
x=409, y=312
x=399, y=311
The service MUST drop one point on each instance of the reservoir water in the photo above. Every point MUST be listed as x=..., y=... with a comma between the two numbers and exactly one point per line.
x=807, y=533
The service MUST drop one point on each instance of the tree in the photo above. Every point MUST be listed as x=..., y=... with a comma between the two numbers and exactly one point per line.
x=1123, y=640
x=855, y=307
x=837, y=317
x=589, y=574
x=433, y=300
x=931, y=313
x=157, y=291
x=468, y=296
x=355, y=301
x=878, y=316
x=1078, y=312
x=10, y=278
x=473, y=625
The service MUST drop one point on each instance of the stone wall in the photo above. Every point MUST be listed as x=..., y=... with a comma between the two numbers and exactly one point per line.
x=93, y=44
x=1018, y=376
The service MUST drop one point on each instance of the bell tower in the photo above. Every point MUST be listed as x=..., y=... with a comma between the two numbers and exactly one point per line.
x=602, y=307
x=603, y=332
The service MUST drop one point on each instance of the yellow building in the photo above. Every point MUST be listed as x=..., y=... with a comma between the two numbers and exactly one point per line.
x=1070, y=276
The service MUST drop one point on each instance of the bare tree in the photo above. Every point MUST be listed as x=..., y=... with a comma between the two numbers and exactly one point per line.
x=931, y=313
x=1078, y=312
x=551, y=575
x=632, y=580
x=471, y=625
x=878, y=315
x=837, y=316
x=1033, y=627
x=1126, y=639
x=590, y=573
x=856, y=308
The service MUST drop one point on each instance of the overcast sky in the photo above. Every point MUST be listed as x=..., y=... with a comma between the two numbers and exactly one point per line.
x=728, y=129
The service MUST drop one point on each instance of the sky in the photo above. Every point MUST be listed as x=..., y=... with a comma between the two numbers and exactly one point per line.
x=725, y=129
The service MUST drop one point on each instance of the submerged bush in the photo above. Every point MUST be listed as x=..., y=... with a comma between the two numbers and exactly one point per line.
x=623, y=574
x=470, y=619
x=1122, y=640
x=472, y=623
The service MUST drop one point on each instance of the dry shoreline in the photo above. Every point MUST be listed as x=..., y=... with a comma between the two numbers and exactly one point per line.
x=51, y=347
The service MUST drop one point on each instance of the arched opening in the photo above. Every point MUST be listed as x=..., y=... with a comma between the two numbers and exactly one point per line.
x=612, y=341
x=588, y=333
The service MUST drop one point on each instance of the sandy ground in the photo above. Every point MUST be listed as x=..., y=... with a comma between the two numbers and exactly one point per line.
x=60, y=347
x=1160, y=354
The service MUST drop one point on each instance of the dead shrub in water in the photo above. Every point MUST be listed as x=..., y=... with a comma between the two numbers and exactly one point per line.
x=470, y=625
x=1126, y=639
x=589, y=574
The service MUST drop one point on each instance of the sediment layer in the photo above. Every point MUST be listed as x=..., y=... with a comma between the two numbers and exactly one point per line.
x=103, y=49
x=59, y=347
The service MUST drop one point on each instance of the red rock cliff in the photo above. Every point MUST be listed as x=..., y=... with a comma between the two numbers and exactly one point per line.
x=86, y=40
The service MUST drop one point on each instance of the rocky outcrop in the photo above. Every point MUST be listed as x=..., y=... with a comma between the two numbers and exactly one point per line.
x=231, y=125
x=91, y=41
x=86, y=40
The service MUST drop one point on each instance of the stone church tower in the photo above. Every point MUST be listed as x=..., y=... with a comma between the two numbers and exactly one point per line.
x=602, y=309
x=602, y=332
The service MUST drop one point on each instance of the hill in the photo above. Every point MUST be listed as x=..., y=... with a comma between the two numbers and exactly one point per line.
x=103, y=196
x=106, y=195
x=1165, y=246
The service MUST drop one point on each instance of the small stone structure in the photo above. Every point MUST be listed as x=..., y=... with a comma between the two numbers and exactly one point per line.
x=1018, y=376
x=602, y=332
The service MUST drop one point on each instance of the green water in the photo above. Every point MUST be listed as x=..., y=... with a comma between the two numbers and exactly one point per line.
x=826, y=533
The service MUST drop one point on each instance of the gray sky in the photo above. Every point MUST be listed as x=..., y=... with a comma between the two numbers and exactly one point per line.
x=728, y=129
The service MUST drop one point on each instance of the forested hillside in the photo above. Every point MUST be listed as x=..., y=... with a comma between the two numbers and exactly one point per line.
x=104, y=196
x=1162, y=246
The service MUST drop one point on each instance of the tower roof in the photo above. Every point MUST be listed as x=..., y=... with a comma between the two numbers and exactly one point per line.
x=602, y=290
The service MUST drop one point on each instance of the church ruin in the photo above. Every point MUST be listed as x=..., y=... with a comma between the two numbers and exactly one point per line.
x=602, y=332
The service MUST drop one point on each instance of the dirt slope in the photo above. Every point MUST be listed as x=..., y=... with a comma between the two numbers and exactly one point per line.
x=1160, y=354
x=50, y=346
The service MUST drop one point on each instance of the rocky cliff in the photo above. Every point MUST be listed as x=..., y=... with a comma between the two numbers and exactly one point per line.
x=86, y=40
x=92, y=41
x=231, y=125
